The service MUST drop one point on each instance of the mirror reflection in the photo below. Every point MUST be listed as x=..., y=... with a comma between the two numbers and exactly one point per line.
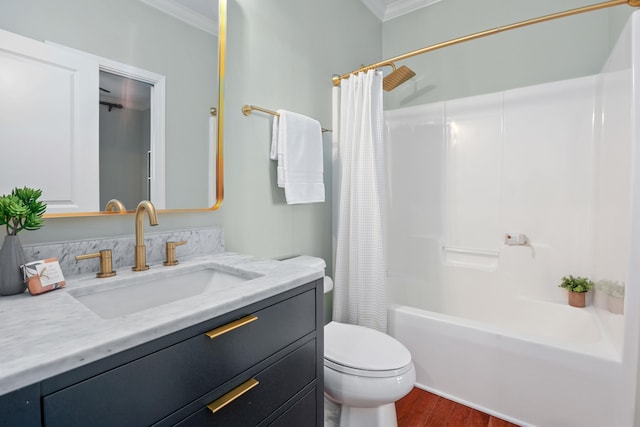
x=125, y=139
x=137, y=36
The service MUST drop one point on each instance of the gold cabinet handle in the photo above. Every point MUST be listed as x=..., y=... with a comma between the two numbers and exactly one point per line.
x=230, y=326
x=227, y=398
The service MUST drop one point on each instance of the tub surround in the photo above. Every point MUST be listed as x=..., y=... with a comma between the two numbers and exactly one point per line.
x=53, y=333
x=492, y=329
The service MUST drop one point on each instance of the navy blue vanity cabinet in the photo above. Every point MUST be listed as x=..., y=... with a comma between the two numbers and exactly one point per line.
x=260, y=365
x=21, y=407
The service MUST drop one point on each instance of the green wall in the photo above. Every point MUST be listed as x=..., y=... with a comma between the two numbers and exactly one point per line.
x=550, y=51
x=282, y=54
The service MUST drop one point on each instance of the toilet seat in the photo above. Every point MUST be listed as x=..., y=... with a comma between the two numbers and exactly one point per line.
x=364, y=373
x=360, y=351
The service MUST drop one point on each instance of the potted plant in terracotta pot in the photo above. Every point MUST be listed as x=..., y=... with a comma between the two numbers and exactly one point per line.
x=20, y=210
x=578, y=288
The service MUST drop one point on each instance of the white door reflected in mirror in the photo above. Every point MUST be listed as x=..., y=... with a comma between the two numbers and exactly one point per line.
x=53, y=149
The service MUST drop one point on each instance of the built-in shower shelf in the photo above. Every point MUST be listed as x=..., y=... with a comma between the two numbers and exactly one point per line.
x=482, y=259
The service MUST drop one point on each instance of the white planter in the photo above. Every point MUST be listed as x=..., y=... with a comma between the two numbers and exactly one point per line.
x=615, y=304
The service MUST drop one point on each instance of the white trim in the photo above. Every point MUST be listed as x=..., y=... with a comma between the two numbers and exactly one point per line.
x=157, y=125
x=402, y=7
x=377, y=7
x=385, y=10
x=185, y=14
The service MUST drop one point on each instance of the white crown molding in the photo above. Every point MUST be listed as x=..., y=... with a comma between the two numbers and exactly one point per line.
x=185, y=14
x=402, y=7
x=377, y=7
x=389, y=9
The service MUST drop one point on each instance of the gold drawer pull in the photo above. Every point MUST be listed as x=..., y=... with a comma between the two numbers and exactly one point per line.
x=227, y=398
x=230, y=326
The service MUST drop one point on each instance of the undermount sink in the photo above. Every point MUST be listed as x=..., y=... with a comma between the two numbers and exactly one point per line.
x=134, y=294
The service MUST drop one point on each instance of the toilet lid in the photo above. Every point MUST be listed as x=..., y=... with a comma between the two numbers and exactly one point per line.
x=363, y=349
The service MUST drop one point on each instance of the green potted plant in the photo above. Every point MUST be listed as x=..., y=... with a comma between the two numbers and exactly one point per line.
x=578, y=288
x=20, y=210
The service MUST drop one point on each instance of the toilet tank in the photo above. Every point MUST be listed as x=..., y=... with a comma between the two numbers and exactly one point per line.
x=308, y=261
x=313, y=262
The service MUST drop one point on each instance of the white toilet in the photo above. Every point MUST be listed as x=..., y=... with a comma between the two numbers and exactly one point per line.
x=365, y=371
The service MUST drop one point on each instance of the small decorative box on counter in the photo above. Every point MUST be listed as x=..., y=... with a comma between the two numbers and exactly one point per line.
x=43, y=275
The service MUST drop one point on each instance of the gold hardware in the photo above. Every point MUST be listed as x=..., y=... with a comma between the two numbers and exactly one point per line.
x=634, y=3
x=115, y=205
x=222, y=54
x=397, y=77
x=247, y=109
x=171, y=252
x=141, y=250
x=230, y=326
x=106, y=265
x=213, y=111
x=227, y=398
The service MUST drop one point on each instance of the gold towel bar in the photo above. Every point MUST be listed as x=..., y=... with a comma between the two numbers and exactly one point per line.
x=247, y=109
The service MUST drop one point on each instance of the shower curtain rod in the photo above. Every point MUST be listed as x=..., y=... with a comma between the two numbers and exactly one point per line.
x=633, y=3
x=247, y=109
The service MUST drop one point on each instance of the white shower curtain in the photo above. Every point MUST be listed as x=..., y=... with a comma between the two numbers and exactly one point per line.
x=359, y=295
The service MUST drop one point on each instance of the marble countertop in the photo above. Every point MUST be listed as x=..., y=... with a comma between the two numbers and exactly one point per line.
x=51, y=333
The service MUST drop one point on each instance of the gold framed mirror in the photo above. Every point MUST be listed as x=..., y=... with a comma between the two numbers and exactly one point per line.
x=149, y=45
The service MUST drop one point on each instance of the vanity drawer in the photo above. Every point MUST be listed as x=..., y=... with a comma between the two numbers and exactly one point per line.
x=275, y=386
x=303, y=413
x=146, y=390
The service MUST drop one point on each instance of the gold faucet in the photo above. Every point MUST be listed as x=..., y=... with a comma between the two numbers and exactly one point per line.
x=115, y=205
x=106, y=264
x=170, y=249
x=141, y=250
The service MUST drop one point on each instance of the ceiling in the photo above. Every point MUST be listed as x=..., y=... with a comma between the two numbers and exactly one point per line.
x=129, y=93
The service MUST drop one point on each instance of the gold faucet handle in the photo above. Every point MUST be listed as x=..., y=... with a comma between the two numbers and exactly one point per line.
x=171, y=252
x=106, y=264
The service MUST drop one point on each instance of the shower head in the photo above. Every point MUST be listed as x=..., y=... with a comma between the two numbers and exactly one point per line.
x=397, y=77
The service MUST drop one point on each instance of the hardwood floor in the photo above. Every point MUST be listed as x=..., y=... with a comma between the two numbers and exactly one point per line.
x=421, y=408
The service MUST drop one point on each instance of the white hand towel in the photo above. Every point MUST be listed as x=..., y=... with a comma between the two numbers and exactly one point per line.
x=297, y=140
x=274, y=139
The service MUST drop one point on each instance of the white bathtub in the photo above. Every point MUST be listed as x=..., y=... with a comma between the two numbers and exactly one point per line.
x=547, y=364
